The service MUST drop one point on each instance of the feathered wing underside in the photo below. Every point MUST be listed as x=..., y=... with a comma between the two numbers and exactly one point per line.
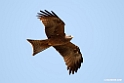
x=53, y=24
x=72, y=56
x=38, y=45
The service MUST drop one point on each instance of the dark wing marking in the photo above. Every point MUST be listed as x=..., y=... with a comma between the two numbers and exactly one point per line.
x=48, y=12
x=53, y=24
x=72, y=56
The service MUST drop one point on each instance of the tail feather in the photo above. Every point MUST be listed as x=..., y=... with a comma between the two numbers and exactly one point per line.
x=38, y=45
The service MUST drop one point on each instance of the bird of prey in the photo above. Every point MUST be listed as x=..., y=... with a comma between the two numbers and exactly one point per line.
x=54, y=29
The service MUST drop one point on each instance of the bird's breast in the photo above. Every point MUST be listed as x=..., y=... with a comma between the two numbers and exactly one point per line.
x=58, y=41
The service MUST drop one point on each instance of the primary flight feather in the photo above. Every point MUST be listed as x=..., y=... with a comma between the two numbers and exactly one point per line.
x=54, y=29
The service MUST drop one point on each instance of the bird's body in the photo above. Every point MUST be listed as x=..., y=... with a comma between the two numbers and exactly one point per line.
x=54, y=29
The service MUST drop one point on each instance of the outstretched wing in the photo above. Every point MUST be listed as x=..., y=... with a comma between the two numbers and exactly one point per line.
x=72, y=56
x=53, y=24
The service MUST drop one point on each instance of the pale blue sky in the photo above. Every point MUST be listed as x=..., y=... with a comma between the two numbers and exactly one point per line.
x=97, y=27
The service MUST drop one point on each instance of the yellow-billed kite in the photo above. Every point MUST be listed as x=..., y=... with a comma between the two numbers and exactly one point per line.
x=54, y=29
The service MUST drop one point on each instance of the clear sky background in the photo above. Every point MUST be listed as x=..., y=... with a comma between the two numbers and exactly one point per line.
x=97, y=27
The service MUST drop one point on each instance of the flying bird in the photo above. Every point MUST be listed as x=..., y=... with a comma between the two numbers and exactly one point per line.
x=54, y=29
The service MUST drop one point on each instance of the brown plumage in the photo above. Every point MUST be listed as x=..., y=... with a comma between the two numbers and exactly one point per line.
x=54, y=29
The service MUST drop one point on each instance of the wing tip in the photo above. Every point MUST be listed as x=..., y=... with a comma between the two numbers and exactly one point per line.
x=73, y=69
x=46, y=13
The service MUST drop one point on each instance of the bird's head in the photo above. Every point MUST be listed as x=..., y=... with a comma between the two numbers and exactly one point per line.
x=69, y=37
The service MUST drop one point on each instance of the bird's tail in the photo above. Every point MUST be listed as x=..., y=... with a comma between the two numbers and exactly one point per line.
x=39, y=45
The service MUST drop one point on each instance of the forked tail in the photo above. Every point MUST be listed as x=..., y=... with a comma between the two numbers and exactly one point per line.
x=39, y=45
